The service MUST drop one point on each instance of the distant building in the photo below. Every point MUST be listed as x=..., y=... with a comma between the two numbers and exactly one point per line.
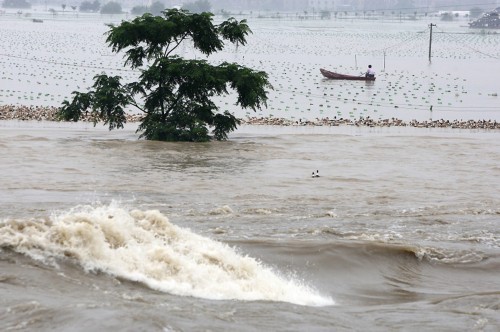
x=489, y=20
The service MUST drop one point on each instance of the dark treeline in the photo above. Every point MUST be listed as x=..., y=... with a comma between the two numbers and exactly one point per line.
x=276, y=5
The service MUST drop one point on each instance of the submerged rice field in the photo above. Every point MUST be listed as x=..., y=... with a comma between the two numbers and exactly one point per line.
x=42, y=63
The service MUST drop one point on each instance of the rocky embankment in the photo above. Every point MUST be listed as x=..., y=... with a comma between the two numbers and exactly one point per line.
x=37, y=113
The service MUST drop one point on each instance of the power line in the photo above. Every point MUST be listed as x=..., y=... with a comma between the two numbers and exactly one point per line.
x=405, y=41
x=418, y=34
x=65, y=64
x=465, y=45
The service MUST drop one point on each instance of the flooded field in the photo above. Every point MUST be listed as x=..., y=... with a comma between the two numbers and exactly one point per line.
x=42, y=63
x=102, y=231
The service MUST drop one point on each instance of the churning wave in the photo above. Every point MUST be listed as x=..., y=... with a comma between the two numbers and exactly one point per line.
x=143, y=246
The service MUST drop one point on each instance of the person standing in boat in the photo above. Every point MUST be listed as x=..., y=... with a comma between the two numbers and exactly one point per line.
x=370, y=72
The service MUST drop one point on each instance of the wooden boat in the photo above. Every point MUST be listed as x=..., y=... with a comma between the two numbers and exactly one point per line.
x=337, y=76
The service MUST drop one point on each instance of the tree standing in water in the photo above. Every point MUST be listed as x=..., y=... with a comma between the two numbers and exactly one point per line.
x=173, y=93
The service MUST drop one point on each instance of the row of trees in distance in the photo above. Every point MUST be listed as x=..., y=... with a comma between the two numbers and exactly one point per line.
x=114, y=7
x=157, y=7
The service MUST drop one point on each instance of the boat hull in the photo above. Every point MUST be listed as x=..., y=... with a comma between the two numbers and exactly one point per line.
x=337, y=76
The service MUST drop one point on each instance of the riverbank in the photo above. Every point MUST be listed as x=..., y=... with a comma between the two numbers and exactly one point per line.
x=38, y=113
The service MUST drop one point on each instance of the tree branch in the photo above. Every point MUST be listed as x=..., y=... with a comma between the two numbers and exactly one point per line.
x=178, y=43
x=174, y=103
x=133, y=102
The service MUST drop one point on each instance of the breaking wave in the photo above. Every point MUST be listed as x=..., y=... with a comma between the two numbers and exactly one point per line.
x=143, y=246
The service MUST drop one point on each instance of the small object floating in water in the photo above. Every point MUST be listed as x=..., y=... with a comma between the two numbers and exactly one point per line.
x=315, y=175
x=37, y=20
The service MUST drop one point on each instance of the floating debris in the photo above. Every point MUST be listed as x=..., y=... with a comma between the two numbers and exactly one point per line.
x=45, y=113
x=369, y=122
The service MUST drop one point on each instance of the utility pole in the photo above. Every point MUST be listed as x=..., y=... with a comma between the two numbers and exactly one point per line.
x=430, y=40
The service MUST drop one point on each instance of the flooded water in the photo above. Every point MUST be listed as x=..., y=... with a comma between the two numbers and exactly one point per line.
x=43, y=63
x=100, y=230
x=400, y=231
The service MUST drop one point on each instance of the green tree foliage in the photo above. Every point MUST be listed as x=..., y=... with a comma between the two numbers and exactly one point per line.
x=111, y=8
x=405, y=6
x=175, y=94
x=88, y=6
x=139, y=10
x=325, y=14
x=446, y=17
x=16, y=4
x=156, y=9
x=198, y=6
x=476, y=12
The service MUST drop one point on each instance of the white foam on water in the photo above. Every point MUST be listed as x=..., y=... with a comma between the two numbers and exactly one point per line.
x=144, y=246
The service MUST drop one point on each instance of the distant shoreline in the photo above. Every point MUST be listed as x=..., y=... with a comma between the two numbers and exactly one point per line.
x=40, y=113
